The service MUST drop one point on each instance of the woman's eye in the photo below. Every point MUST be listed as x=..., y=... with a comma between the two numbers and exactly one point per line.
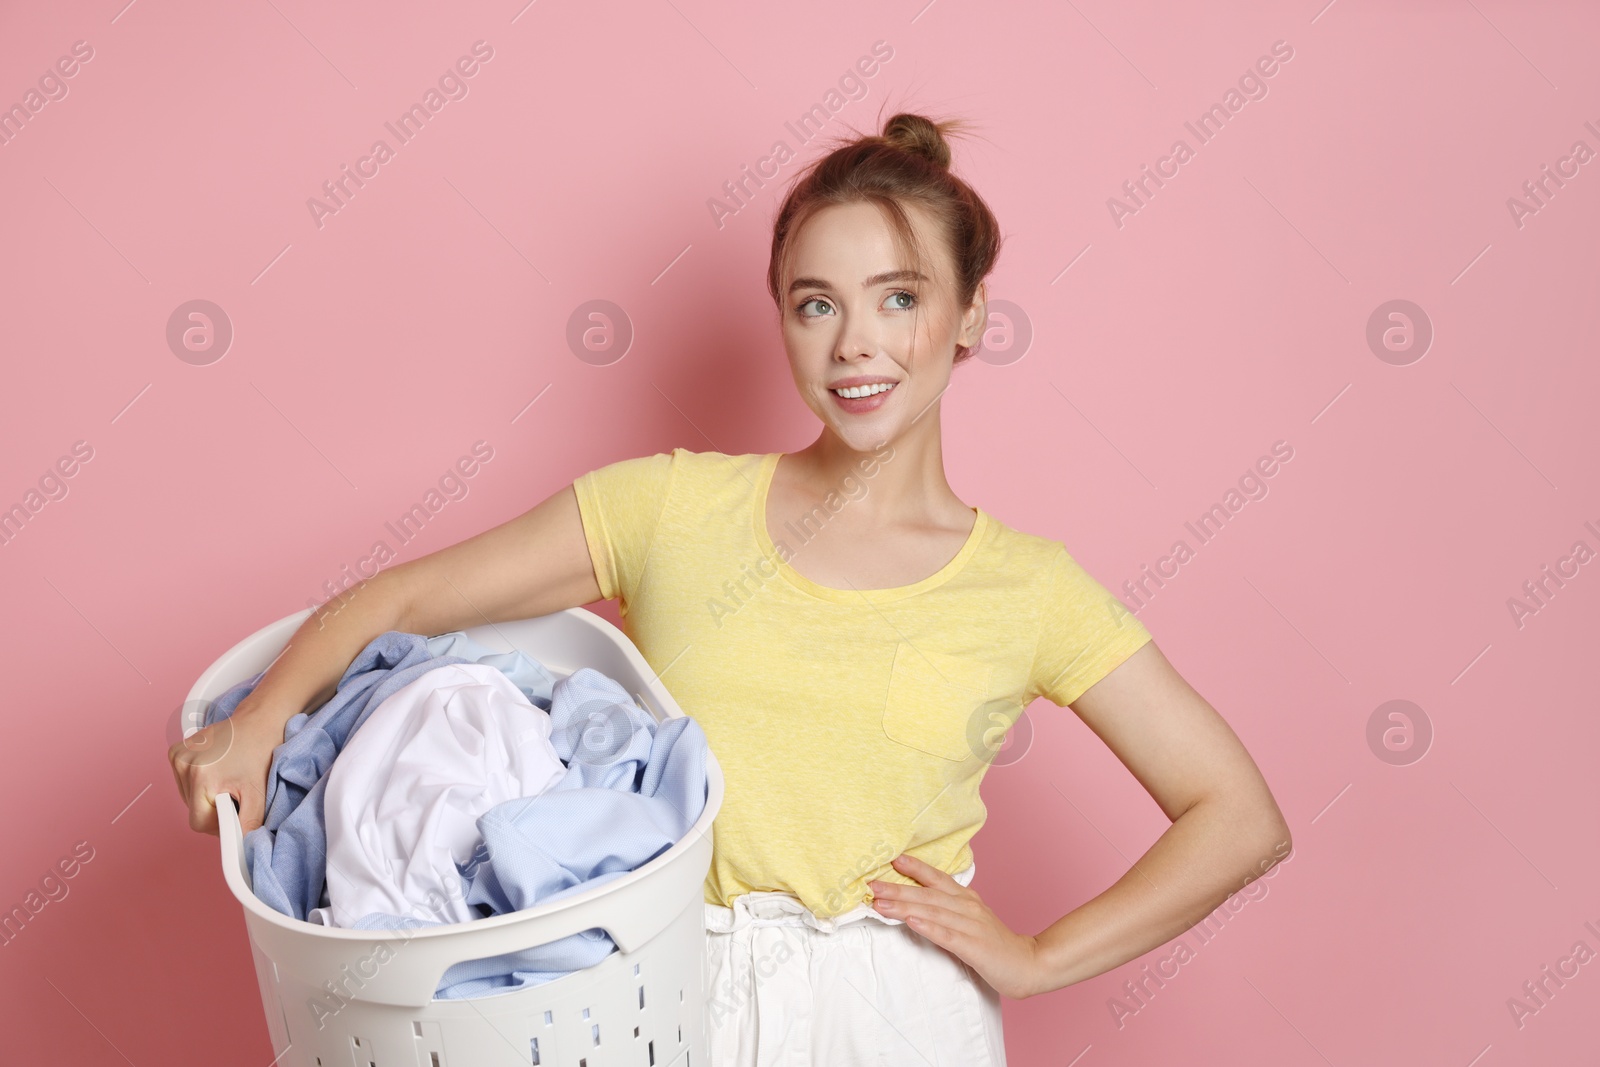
x=910, y=297
x=814, y=300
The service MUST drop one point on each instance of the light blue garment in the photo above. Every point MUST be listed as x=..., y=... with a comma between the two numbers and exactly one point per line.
x=287, y=854
x=528, y=675
x=631, y=790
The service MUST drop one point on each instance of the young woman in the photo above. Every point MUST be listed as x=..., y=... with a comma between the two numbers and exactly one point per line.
x=854, y=639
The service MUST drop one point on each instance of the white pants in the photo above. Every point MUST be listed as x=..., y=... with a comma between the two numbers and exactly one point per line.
x=787, y=989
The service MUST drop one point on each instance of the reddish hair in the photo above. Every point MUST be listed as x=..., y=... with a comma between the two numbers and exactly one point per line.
x=908, y=163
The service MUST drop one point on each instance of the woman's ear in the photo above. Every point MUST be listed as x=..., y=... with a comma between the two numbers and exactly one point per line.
x=975, y=318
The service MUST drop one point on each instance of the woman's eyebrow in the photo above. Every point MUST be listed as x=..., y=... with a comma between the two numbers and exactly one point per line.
x=876, y=279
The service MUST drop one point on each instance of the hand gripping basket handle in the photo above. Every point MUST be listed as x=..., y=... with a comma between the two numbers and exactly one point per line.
x=631, y=908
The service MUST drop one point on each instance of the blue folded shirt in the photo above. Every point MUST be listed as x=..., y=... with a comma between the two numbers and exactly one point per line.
x=632, y=788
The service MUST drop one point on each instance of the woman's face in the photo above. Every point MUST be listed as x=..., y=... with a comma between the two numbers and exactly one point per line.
x=856, y=314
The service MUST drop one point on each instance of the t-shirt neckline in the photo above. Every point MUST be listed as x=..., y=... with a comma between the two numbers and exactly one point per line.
x=764, y=474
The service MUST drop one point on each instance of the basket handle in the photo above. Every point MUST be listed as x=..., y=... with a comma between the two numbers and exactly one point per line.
x=632, y=909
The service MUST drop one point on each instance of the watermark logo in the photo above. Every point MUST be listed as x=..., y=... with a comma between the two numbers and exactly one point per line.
x=453, y=485
x=1540, y=191
x=199, y=332
x=740, y=192
x=1139, y=992
x=738, y=985
x=995, y=737
x=599, y=332
x=53, y=889
x=1399, y=332
x=1007, y=337
x=205, y=746
x=804, y=528
x=52, y=88
x=1399, y=732
x=1251, y=486
x=882, y=852
x=52, y=486
x=1252, y=85
x=1540, y=990
x=451, y=85
x=600, y=731
x=1540, y=590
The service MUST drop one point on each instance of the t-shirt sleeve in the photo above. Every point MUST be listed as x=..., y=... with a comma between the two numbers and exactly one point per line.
x=1084, y=633
x=621, y=505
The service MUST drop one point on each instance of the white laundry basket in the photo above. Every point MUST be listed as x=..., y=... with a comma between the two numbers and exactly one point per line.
x=339, y=997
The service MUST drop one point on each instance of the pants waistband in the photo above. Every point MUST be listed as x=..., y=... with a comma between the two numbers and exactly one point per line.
x=773, y=908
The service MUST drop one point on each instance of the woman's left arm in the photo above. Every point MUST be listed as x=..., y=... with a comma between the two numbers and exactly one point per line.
x=1226, y=831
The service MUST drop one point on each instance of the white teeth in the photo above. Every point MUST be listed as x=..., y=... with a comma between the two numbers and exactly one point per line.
x=855, y=391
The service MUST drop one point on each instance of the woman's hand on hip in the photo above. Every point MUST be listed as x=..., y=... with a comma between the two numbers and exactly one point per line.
x=956, y=919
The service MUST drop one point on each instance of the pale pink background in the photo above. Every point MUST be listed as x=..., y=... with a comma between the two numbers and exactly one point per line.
x=1227, y=314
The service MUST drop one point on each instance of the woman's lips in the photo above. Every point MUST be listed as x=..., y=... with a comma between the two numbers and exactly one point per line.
x=863, y=404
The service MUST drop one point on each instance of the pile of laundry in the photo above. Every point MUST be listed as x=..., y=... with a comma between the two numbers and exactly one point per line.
x=443, y=783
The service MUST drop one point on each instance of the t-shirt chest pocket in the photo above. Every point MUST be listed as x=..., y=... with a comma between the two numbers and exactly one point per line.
x=931, y=699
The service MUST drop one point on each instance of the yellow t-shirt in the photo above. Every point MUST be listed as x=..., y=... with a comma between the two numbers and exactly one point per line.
x=850, y=725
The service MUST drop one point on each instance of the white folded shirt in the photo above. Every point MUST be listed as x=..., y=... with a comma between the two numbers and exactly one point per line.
x=402, y=799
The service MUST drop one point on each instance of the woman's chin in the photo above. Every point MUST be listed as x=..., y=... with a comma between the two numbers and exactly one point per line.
x=862, y=435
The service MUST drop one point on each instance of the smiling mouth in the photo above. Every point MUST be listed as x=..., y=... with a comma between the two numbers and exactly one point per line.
x=856, y=392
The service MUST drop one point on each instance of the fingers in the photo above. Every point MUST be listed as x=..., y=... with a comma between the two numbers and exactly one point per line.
x=943, y=911
x=177, y=776
x=943, y=926
x=935, y=885
x=223, y=758
x=252, y=808
x=183, y=775
x=936, y=932
x=202, y=812
x=902, y=900
x=926, y=873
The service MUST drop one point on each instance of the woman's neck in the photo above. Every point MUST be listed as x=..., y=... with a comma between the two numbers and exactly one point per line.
x=906, y=486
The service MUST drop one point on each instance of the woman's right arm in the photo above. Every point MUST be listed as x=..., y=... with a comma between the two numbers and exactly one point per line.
x=533, y=565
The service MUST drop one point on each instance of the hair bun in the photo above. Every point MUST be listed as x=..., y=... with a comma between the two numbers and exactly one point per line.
x=920, y=137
